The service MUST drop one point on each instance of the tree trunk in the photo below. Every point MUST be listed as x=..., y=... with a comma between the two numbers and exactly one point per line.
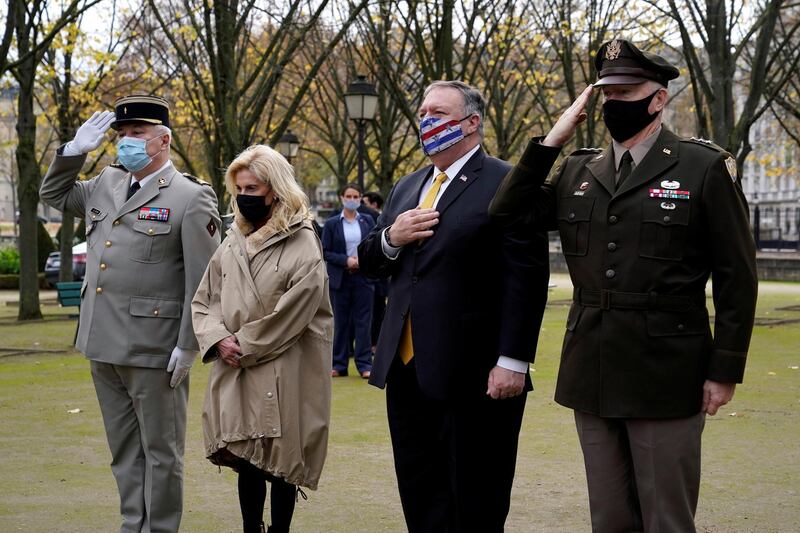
x=28, y=187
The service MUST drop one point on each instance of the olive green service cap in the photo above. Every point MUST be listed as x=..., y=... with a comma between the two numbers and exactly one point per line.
x=141, y=108
x=619, y=62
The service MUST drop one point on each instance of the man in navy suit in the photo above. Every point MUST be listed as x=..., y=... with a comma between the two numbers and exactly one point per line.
x=466, y=298
x=351, y=293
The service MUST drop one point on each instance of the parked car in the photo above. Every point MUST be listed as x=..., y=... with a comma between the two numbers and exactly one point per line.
x=53, y=264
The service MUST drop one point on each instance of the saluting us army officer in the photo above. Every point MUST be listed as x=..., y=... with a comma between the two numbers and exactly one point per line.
x=150, y=232
x=643, y=223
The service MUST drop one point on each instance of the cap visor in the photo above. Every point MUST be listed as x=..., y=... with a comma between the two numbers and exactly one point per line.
x=118, y=123
x=619, y=80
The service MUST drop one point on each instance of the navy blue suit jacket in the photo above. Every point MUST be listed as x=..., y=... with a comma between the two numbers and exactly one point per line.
x=475, y=290
x=334, y=247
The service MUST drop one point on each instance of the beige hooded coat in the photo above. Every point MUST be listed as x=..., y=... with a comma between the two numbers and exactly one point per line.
x=270, y=289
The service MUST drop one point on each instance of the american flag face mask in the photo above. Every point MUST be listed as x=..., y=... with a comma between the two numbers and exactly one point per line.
x=437, y=134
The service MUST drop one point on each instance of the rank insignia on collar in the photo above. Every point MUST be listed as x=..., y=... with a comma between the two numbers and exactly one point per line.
x=599, y=157
x=667, y=184
x=463, y=177
x=583, y=186
x=730, y=164
x=162, y=181
x=667, y=151
x=160, y=214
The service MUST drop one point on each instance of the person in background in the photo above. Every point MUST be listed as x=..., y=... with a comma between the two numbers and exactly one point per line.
x=263, y=319
x=351, y=292
x=374, y=201
x=150, y=232
x=644, y=224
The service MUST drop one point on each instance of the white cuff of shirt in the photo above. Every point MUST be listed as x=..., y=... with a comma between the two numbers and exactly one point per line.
x=69, y=150
x=389, y=251
x=513, y=364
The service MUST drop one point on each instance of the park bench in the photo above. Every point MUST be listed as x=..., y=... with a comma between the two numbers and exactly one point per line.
x=69, y=295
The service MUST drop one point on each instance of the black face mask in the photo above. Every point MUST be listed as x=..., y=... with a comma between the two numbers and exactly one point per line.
x=253, y=207
x=626, y=119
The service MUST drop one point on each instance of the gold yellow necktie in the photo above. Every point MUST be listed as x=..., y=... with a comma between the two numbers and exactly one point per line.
x=406, y=347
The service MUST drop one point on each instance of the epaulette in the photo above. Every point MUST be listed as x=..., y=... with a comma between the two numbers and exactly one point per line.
x=586, y=151
x=705, y=142
x=195, y=179
x=118, y=166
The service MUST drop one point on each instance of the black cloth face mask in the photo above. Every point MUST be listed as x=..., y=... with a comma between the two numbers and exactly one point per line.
x=625, y=119
x=253, y=207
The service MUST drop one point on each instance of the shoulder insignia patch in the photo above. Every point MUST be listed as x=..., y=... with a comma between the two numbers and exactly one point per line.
x=730, y=164
x=211, y=227
x=195, y=179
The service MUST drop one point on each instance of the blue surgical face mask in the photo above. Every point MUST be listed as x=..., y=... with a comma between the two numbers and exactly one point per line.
x=352, y=205
x=132, y=153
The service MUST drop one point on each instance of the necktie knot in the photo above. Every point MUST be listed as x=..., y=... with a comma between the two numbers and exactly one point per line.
x=625, y=168
x=433, y=192
x=135, y=186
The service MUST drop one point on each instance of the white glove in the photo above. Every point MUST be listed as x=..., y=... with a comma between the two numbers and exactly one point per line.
x=180, y=362
x=91, y=134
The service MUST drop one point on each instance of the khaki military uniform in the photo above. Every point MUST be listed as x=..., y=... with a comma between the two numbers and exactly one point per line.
x=145, y=258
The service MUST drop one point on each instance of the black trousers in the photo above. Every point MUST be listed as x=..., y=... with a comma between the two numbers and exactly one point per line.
x=454, y=460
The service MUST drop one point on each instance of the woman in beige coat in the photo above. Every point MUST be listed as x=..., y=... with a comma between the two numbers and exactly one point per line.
x=262, y=316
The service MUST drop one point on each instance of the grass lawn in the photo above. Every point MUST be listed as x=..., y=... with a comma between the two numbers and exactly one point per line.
x=56, y=478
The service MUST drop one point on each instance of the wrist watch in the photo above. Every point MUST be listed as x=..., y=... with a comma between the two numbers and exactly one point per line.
x=388, y=237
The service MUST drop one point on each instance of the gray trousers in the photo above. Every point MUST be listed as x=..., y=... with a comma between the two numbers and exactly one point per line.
x=643, y=474
x=145, y=422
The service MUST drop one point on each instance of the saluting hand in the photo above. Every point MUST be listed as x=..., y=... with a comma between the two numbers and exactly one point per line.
x=565, y=127
x=92, y=132
x=413, y=225
x=230, y=351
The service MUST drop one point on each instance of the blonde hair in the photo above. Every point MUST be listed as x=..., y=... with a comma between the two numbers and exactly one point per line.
x=272, y=168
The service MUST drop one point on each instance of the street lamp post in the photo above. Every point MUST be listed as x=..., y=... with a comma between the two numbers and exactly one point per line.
x=361, y=100
x=288, y=145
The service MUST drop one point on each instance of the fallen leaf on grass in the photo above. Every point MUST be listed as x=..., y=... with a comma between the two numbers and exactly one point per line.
x=794, y=367
x=771, y=374
x=732, y=414
x=74, y=411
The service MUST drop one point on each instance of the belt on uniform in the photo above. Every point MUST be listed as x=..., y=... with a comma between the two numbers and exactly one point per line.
x=608, y=299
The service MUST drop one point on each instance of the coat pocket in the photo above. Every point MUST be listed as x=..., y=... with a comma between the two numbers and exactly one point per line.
x=693, y=321
x=574, y=219
x=664, y=228
x=154, y=325
x=149, y=241
x=92, y=226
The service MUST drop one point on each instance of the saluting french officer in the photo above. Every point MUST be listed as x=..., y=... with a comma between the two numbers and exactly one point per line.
x=150, y=232
x=643, y=223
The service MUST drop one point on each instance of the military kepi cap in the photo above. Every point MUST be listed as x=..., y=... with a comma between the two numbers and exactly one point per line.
x=141, y=108
x=619, y=62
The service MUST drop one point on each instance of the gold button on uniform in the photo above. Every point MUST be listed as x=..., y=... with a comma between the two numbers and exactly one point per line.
x=103, y=266
x=150, y=231
x=108, y=244
x=116, y=222
x=155, y=312
x=99, y=290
